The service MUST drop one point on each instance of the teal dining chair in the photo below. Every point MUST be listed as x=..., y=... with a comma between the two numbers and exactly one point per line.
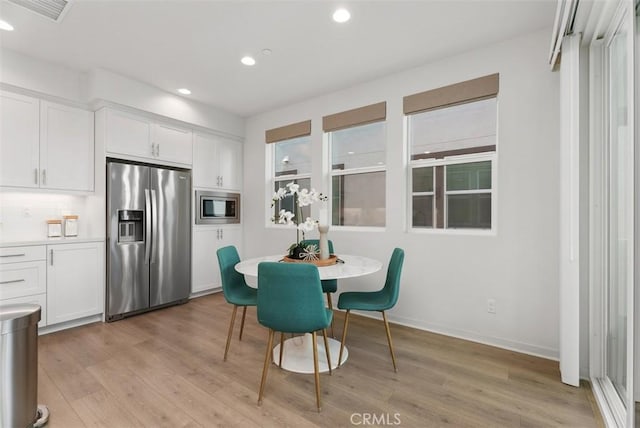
x=235, y=289
x=290, y=301
x=380, y=300
x=328, y=285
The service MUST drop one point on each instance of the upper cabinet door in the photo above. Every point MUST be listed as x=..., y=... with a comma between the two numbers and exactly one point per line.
x=127, y=134
x=172, y=144
x=19, y=140
x=205, y=162
x=66, y=148
x=230, y=163
x=217, y=162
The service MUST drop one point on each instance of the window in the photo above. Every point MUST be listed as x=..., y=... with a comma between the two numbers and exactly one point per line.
x=358, y=171
x=291, y=161
x=452, y=149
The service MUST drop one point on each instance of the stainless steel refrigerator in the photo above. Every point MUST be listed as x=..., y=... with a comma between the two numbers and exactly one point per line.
x=148, y=238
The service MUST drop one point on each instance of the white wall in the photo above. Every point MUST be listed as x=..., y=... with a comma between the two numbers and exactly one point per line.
x=41, y=76
x=105, y=85
x=448, y=277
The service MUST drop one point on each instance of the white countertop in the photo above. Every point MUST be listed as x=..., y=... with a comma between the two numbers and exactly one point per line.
x=50, y=241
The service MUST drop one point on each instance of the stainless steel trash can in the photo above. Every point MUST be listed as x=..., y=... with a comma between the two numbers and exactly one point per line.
x=19, y=365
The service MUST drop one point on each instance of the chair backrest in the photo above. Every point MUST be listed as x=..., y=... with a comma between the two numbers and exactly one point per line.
x=391, y=287
x=290, y=297
x=232, y=280
x=316, y=242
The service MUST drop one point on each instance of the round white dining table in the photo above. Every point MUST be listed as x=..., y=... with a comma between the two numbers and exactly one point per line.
x=298, y=351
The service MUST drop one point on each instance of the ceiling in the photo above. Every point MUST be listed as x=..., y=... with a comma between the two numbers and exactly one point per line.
x=198, y=44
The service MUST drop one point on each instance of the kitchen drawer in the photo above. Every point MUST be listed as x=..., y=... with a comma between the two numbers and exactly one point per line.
x=22, y=254
x=23, y=279
x=38, y=299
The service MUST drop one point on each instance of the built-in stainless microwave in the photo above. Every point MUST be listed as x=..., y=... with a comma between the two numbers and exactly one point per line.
x=217, y=207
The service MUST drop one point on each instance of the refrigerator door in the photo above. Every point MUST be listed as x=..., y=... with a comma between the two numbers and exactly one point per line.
x=128, y=204
x=170, y=277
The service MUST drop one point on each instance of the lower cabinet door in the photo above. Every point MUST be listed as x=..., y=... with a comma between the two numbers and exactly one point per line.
x=75, y=281
x=206, y=241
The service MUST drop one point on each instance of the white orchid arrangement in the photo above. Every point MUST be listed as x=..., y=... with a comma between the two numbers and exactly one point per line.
x=302, y=198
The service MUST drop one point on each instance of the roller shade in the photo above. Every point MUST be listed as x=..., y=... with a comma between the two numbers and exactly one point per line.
x=470, y=90
x=287, y=132
x=359, y=116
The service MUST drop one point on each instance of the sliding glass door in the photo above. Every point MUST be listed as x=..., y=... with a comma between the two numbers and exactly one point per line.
x=613, y=214
x=620, y=209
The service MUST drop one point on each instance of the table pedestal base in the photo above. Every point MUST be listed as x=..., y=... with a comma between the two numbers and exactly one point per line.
x=298, y=354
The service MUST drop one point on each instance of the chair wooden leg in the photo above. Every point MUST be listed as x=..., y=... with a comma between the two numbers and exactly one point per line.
x=330, y=304
x=267, y=362
x=316, y=373
x=244, y=314
x=281, y=349
x=233, y=319
x=344, y=336
x=386, y=327
x=326, y=349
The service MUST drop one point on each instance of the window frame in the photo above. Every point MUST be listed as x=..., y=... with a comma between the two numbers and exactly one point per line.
x=284, y=178
x=327, y=140
x=444, y=161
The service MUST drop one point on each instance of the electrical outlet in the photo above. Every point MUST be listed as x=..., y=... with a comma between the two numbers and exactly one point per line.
x=26, y=212
x=491, y=306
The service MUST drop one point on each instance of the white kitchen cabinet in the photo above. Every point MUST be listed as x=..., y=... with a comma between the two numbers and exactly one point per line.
x=66, y=148
x=206, y=241
x=127, y=134
x=139, y=138
x=172, y=144
x=217, y=162
x=23, y=277
x=19, y=140
x=75, y=281
x=45, y=145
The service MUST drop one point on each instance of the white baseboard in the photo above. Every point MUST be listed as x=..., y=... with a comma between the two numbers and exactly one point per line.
x=205, y=292
x=69, y=324
x=524, y=348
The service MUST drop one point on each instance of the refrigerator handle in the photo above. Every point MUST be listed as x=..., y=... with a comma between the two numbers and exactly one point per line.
x=147, y=228
x=154, y=224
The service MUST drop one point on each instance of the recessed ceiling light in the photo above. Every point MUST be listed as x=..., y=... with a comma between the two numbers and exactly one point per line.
x=341, y=15
x=351, y=153
x=426, y=152
x=266, y=51
x=380, y=163
x=247, y=60
x=184, y=91
x=4, y=25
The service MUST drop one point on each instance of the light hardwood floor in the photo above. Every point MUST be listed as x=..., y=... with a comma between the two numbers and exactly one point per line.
x=165, y=368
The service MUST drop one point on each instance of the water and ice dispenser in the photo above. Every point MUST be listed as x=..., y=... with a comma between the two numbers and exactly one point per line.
x=130, y=226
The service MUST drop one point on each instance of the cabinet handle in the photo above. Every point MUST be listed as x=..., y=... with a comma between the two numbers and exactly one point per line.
x=13, y=255
x=36, y=174
x=44, y=177
x=51, y=258
x=221, y=233
x=12, y=281
x=221, y=180
x=158, y=149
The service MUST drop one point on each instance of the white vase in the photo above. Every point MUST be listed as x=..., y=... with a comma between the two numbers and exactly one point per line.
x=324, y=242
